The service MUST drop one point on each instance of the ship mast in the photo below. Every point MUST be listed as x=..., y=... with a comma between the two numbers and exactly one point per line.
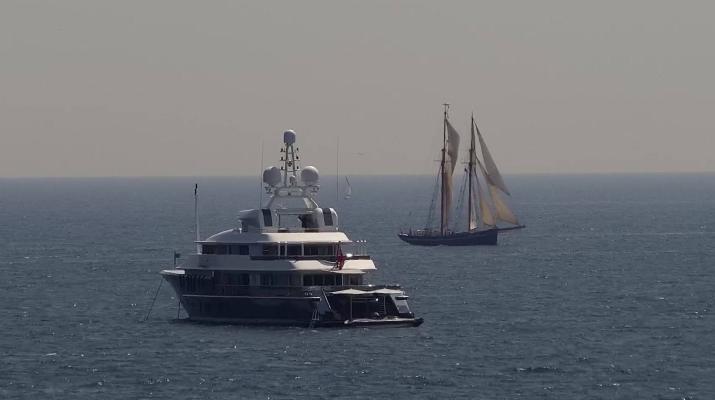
x=442, y=222
x=470, y=166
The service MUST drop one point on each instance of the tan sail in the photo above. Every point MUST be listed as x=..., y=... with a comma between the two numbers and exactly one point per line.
x=452, y=147
x=493, y=175
x=485, y=211
x=503, y=211
x=450, y=162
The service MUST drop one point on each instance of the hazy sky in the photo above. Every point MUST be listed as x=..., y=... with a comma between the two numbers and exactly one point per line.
x=114, y=88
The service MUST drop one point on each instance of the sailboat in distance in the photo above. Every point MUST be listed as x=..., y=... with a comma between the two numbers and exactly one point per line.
x=485, y=207
x=348, y=189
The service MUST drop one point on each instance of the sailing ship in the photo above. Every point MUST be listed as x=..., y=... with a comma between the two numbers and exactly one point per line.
x=486, y=206
x=348, y=189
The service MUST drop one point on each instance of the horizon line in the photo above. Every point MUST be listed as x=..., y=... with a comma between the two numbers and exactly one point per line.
x=360, y=175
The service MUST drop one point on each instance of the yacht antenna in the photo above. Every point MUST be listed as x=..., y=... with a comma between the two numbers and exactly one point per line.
x=337, y=171
x=196, y=216
x=260, y=179
x=290, y=158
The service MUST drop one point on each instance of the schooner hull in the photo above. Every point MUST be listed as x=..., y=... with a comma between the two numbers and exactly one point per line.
x=474, y=238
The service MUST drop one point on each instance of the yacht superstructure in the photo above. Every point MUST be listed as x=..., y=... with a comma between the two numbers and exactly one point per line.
x=286, y=263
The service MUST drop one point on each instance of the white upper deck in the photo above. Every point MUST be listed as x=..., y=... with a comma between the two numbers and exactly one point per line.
x=290, y=233
x=235, y=236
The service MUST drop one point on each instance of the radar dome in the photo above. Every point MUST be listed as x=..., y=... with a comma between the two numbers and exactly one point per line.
x=272, y=176
x=289, y=136
x=310, y=176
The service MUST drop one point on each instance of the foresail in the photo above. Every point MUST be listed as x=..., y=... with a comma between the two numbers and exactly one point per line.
x=485, y=211
x=503, y=211
x=492, y=172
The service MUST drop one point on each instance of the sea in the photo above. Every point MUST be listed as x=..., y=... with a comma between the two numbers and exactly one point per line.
x=607, y=294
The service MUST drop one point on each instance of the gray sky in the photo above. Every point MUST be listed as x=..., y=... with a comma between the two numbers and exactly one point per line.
x=114, y=88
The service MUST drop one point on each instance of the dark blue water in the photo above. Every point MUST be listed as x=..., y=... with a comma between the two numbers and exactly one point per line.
x=607, y=294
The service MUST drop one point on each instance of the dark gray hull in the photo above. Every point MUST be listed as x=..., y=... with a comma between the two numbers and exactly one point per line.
x=475, y=238
x=207, y=301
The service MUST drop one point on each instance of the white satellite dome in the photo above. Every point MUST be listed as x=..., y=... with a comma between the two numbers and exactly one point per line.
x=289, y=136
x=272, y=176
x=310, y=176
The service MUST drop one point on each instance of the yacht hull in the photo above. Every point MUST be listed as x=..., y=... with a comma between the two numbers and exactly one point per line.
x=209, y=302
x=475, y=238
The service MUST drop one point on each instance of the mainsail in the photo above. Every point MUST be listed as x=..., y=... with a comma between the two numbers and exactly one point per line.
x=492, y=172
x=450, y=157
x=485, y=212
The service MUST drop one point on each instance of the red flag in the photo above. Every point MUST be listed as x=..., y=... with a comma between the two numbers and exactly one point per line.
x=339, y=258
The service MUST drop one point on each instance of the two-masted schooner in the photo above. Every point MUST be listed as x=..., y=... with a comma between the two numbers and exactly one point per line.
x=486, y=205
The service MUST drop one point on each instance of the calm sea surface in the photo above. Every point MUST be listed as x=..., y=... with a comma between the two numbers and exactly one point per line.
x=608, y=294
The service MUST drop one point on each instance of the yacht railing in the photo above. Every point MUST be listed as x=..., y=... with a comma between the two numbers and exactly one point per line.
x=290, y=291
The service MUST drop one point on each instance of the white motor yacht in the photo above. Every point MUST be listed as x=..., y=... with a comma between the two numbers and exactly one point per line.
x=286, y=263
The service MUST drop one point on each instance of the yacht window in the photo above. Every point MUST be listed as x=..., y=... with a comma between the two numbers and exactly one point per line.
x=208, y=249
x=267, y=280
x=241, y=249
x=293, y=249
x=307, y=280
x=281, y=280
x=307, y=221
x=270, y=250
x=221, y=249
x=232, y=278
x=354, y=280
x=318, y=250
x=329, y=280
x=323, y=280
x=267, y=217
x=327, y=217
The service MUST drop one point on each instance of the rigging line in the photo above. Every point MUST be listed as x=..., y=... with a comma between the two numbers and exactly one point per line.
x=161, y=281
x=178, y=305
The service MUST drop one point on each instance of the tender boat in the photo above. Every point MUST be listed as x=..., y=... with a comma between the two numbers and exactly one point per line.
x=286, y=264
x=485, y=205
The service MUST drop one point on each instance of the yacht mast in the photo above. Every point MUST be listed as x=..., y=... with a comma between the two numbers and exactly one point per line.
x=290, y=166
